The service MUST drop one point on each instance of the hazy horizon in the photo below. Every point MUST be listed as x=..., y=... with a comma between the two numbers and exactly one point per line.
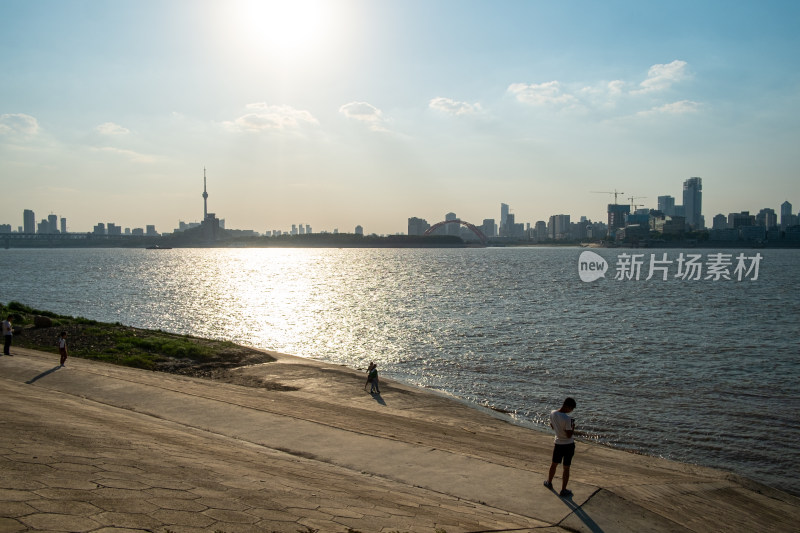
x=345, y=113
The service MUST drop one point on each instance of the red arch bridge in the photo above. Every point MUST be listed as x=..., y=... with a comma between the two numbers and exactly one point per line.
x=472, y=227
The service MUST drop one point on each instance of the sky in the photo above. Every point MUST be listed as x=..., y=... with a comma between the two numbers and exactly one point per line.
x=338, y=113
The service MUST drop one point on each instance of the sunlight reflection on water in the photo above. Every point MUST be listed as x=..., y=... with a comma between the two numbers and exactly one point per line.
x=512, y=329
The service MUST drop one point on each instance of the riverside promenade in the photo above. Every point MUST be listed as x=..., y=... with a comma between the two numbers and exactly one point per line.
x=101, y=448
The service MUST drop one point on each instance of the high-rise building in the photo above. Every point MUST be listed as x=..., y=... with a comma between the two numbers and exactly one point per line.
x=693, y=203
x=540, y=230
x=489, y=228
x=767, y=218
x=738, y=220
x=558, y=227
x=52, y=220
x=359, y=230
x=452, y=229
x=503, y=217
x=28, y=221
x=63, y=225
x=720, y=222
x=616, y=217
x=666, y=204
x=417, y=226
x=787, y=218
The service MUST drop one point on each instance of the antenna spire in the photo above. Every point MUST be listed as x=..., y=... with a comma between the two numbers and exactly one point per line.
x=205, y=196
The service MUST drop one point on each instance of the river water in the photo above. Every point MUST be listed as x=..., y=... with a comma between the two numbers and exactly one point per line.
x=704, y=370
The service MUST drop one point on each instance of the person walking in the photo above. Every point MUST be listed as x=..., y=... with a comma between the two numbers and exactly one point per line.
x=372, y=379
x=8, y=332
x=62, y=347
x=564, y=448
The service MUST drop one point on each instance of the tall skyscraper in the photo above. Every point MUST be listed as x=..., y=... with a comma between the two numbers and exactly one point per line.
x=503, y=217
x=693, y=203
x=28, y=221
x=787, y=218
x=616, y=217
x=52, y=220
x=205, y=196
x=452, y=229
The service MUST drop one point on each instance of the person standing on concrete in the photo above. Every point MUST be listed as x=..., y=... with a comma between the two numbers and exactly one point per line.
x=372, y=379
x=62, y=347
x=8, y=331
x=564, y=426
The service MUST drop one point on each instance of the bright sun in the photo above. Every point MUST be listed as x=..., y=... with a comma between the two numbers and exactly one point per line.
x=286, y=29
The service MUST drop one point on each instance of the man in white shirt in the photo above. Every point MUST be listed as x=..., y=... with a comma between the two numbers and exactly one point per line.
x=563, y=426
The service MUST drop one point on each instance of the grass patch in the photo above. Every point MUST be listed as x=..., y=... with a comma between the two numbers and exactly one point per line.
x=124, y=345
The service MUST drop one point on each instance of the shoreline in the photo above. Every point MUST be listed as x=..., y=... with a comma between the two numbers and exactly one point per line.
x=322, y=453
x=233, y=368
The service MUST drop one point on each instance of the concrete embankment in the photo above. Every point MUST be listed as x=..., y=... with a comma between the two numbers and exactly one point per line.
x=95, y=447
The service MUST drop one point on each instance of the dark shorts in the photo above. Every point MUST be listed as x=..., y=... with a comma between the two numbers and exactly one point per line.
x=563, y=452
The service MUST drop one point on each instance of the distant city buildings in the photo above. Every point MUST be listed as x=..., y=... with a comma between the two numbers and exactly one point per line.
x=625, y=222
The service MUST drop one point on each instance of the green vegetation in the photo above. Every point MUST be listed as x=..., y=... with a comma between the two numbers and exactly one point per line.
x=119, y=344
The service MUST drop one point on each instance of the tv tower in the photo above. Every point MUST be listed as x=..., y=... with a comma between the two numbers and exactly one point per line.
x=205, y=196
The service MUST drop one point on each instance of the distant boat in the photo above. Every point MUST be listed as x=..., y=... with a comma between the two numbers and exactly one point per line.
x=157, y=247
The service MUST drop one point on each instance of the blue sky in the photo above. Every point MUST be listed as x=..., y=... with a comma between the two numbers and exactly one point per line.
x=345, y=112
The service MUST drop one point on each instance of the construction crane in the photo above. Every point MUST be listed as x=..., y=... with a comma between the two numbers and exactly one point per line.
x=615, y=193
x=633, y=205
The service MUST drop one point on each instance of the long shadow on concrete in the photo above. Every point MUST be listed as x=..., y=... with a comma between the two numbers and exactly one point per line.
x=43, y=374
x=378, y=398
x=580, y=514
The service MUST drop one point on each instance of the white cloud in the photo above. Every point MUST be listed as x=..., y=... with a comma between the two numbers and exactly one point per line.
x=615, y=87
x=128, y=154
x=661, y=77
x=682, y=107
x=366, y=113
x=109, y=128
x=604, y=95
x=548, y=93
x=454, y=107
x=272, y=117
x=19, y=125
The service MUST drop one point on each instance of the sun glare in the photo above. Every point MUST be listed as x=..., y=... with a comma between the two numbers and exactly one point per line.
x=285, y=29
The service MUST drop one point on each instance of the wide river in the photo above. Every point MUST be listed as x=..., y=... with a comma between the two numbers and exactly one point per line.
x=701, y=370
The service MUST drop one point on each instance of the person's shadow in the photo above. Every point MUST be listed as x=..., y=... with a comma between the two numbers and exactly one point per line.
x=578, y=511
x=43, y=374
x=378, y=398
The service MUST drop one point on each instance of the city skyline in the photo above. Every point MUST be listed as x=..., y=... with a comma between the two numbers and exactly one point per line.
x=665, y=204
x=338, y=114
